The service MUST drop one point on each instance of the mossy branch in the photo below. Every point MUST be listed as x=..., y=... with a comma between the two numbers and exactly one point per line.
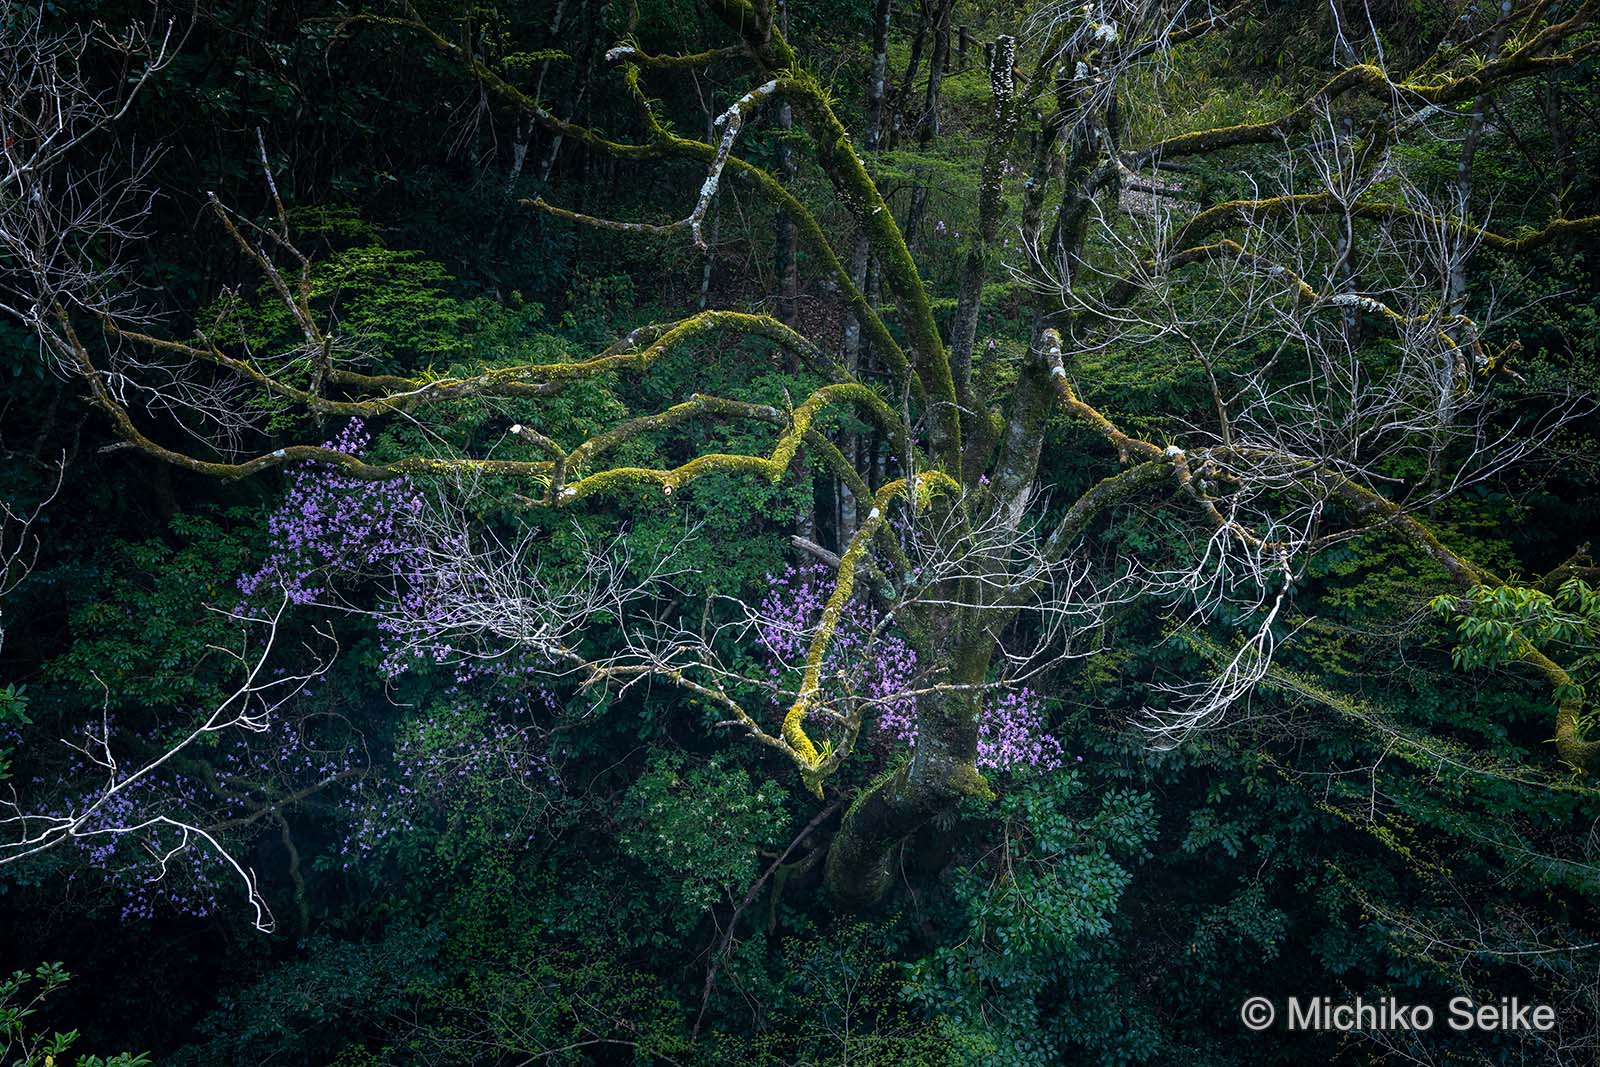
x=771, y=466
x=1326, y=203
x=637, y=351
x=664, y=144
x=920, y=488
x=858, y=192
x=1572, y=748
x=1127, y=447
x=1533, y=57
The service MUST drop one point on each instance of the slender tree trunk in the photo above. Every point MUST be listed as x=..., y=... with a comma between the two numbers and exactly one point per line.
x=1469, y=150
x=521, y=135
x=1556, y=117
x=588, y=56
x=928, y=126
x=975, y=267
x=861, y=273
x=716, y=226
x=902, y=97
x=1344, y=54
x=522, y=138
x=878, y=80
x=860, y=255
x=784, y=237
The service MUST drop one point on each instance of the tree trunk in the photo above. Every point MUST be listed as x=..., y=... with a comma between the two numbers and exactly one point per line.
x=961, y=642
x=928, y=127
x=942, y=770
x=878, y=82
x=585, y=76
x=991, y=205
x=784, y=237
x=902, y=96
x=523, y=136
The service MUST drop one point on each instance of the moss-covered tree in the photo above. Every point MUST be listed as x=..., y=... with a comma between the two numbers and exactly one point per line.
x=1308, y=266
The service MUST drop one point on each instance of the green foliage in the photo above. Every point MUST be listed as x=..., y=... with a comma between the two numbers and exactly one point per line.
x=699, y=830
x=22, y=997
x=158, y=610
x=1035, y=923
x=842, y=1001
x=390, y=311
x=1489, y=621
x=13, y=714
x=1494, y=626
x=1377, y=823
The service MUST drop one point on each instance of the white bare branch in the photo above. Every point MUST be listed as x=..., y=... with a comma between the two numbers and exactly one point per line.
x=101, y=811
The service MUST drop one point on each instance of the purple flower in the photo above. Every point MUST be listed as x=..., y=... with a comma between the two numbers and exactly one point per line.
x=881, y=667
x=333, y=524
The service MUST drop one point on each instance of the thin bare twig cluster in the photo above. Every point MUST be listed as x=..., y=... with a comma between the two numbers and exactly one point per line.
x=116, y=807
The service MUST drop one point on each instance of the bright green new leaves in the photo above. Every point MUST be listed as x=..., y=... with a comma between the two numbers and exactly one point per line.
x=21, y=1045
x=1495, y=626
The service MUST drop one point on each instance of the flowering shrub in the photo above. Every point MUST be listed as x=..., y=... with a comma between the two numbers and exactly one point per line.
x=455, y=760
x=158, y=869
x=332, y=523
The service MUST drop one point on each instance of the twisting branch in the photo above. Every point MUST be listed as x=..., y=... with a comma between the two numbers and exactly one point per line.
x=730, y=121
x=1316, y=317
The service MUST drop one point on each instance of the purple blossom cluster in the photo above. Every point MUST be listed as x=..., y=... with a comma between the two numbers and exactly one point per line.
x=876, y=665
x=152, y=868
x=333, y=523
x=428, y=600
x=1011, y=733
x=881, y=666
x=332, y=526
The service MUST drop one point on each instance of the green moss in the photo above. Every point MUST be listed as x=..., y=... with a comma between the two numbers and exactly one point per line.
x=968, y=781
